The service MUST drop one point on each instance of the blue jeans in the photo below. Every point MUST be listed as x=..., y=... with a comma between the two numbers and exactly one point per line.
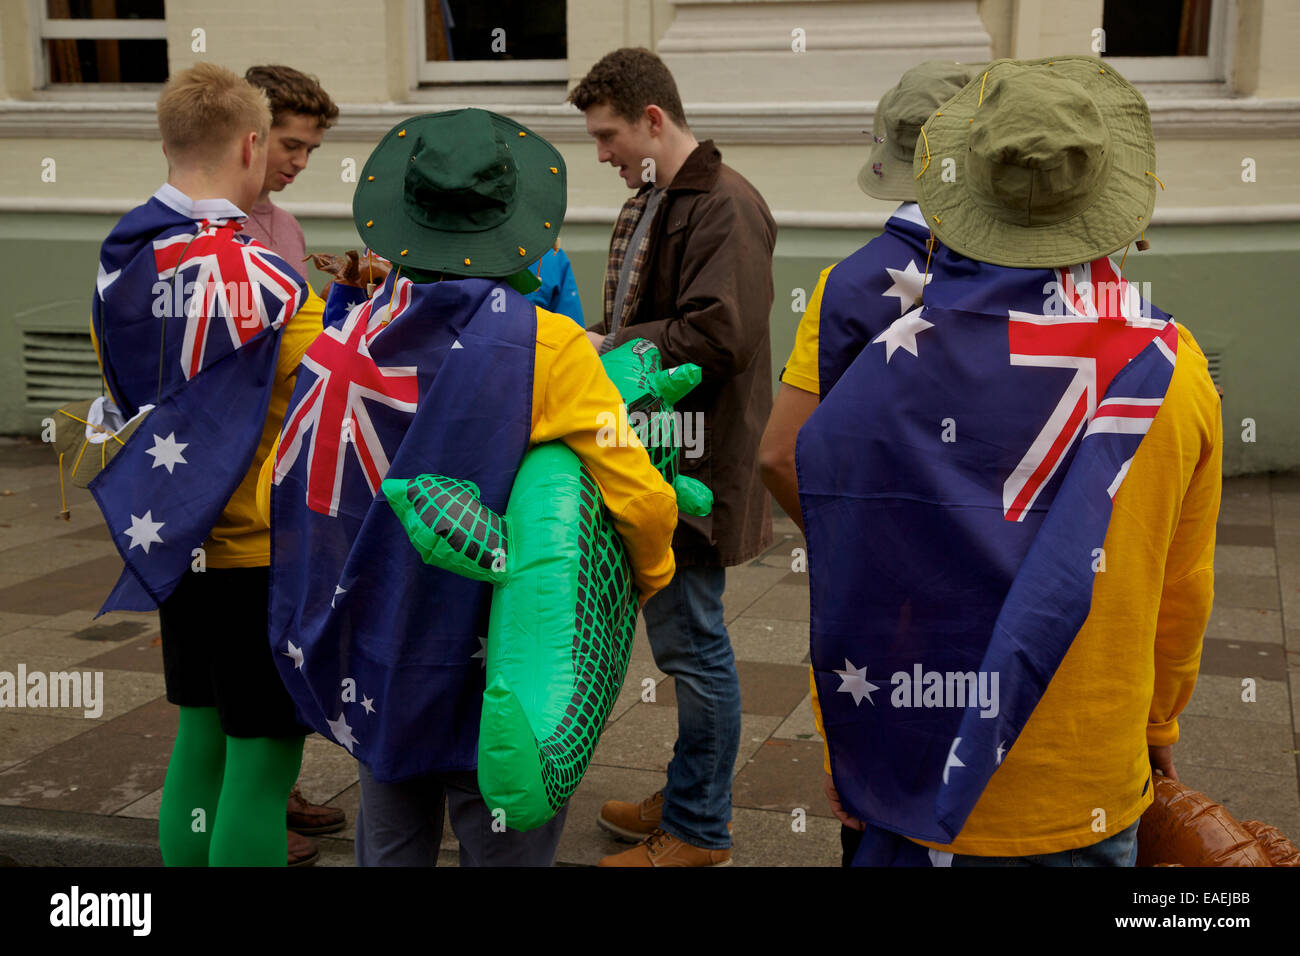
x=689, y=639
x=1118, y=850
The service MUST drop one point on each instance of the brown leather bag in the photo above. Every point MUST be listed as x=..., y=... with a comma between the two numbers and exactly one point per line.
x=1184, y=827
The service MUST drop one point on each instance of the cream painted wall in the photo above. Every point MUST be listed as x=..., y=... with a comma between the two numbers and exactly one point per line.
x=366, y=61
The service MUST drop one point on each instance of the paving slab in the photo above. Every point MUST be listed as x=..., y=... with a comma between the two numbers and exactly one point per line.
x=1264, y=700
x=1234, y=744
x=1244, y=624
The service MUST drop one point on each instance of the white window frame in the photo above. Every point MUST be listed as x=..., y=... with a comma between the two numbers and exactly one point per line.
x=45, y=28
x=1211, y=68
x=476, y=71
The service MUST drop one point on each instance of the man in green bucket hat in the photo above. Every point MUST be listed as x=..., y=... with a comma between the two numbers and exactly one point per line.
x=447, y=369
x=1043, y=447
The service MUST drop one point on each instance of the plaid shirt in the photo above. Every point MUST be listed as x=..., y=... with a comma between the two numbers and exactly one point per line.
x=626, y=224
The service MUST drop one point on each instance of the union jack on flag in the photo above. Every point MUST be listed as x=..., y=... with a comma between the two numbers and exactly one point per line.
x=967, y=460
x=237, y=288
x=334, y=407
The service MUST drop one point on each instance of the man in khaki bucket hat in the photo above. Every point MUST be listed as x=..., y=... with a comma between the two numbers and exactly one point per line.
x=1022, y=406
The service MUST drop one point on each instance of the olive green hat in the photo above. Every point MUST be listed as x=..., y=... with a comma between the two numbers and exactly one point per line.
x=466, y=192
x=1053, y=164
x=900, y=114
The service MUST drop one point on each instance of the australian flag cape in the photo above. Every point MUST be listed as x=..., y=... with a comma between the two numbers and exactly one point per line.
x=187, y=313
x=381, y=652
x=956, y=485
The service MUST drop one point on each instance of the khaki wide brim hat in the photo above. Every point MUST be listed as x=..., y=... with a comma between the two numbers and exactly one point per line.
x=1052, y=164
x=899, y=116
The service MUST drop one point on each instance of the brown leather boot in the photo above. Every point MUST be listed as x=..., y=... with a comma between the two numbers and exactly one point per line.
x=302, y=852
x=310, y=819
x=632, y=822
x=664, y=849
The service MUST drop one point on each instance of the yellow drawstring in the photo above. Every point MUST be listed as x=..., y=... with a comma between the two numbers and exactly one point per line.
x=63, y=498
x=925, y=157
x=1155, y=177
x=929, y=248
x=982, y=82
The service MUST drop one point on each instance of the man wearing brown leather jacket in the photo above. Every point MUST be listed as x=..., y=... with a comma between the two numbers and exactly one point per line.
x=690, y=268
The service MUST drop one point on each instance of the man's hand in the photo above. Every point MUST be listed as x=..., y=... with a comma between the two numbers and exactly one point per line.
x=351, y=269
x=1162, y=760
x=596, y=339
x=838, y=810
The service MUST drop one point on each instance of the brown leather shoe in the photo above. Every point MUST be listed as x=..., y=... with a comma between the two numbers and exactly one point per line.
x=302, y=852
x=632, y=822
x=664, y=849
x=310, y=819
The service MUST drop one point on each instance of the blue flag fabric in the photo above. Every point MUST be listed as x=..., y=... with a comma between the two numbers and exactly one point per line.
x=187, y=314
x=956, y=483
x=381, y=652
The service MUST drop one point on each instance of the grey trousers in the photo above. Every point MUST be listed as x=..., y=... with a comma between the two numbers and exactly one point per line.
x=400, y=824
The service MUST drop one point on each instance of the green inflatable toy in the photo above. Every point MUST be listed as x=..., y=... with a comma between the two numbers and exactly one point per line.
x=564, y=607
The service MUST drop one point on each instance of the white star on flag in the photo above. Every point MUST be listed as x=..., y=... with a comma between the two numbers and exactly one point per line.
x=902, y=334
x=907, y=285
x=953, y=759
x=1000, y=750
x=342, y=732
x=294, y=654
x=853, y=680
x=368, y=704
x=457, y=345
x=167, y=451
x=337, y=591
x=482, y=652
x=144, y=531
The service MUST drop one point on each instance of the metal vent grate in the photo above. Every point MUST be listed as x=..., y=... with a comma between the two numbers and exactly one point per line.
x=1216, y=367
x=59, y=367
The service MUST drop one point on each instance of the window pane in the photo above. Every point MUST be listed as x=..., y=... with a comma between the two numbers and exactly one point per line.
x=107, y=61
x=104, y=9
x=1157, y=27
x=470, y=29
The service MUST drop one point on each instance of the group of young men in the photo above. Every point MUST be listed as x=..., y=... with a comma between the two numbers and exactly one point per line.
x=940, y=478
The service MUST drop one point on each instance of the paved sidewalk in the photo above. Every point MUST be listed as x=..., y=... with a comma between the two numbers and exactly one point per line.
x=79, y=790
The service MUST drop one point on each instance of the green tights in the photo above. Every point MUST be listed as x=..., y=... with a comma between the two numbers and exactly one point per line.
x=223, y=799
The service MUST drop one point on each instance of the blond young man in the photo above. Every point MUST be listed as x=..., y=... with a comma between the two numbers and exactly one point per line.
x=206, y=327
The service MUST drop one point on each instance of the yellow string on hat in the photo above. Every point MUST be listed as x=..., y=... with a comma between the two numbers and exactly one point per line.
x=982, y=82
x=925, y=157
x=1155, y=177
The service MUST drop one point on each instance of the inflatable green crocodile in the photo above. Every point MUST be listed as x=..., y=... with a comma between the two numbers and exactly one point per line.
x=564, y=606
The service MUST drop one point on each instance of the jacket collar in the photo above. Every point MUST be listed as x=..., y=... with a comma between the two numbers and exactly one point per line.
x=699, y=172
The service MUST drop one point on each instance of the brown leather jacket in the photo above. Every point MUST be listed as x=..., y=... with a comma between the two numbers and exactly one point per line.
x=706, y=298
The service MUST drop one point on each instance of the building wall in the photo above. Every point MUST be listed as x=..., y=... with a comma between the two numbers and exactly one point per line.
x=1223, y=249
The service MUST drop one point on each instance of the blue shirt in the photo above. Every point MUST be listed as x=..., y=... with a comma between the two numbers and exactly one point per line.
x=558, y=291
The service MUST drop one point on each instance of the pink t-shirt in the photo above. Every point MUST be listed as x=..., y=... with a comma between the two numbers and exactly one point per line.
x=278, y=231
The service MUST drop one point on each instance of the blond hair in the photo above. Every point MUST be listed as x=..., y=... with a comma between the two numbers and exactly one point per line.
x=203, y=109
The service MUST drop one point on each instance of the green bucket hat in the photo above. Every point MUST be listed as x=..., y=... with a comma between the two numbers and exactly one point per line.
x=900, y=114
x=466, y=192
x=1054, y=164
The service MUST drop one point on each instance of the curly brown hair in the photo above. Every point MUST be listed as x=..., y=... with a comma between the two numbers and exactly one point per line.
x=629, y=80
x=291, y=91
